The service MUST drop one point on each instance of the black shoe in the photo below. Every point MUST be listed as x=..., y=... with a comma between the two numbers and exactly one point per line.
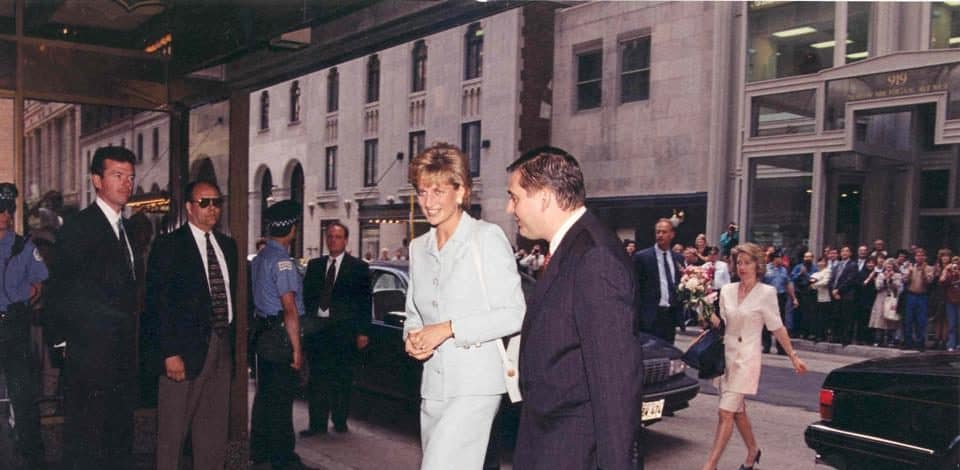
x=341, y=428
x=781, y=352
x=766, y=350
x=312, y=432
x=756, y=460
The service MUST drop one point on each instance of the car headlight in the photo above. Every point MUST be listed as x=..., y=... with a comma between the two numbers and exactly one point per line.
x=677, y=366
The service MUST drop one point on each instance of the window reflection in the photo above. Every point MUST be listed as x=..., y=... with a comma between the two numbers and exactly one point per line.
x=944, y=25
x=780, y=193
x=783, y=113
x=786, y=39
x=858, y=31
x=8, y=22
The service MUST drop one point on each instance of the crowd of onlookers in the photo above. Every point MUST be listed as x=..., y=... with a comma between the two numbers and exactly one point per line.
x=851, y=295
x=862, y=295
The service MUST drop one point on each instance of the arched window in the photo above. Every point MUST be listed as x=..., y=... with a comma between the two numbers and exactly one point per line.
x=333, y=90
x=266, y=190
x=295, y=101
x=473, y=52
x=264, y=110
x=296, y=194
x=419, y=82
x=373, y=79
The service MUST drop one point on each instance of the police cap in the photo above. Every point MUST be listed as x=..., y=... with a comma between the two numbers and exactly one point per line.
x=8, y=196
x=283, y=213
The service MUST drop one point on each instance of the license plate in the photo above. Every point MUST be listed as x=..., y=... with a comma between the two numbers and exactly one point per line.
x=652, y=410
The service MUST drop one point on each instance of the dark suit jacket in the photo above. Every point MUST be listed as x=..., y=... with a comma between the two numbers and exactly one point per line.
x=648, y=281
x=846, y=281
x=93, y=300
x=580, y=363
x=350, y=301
x=178, y=296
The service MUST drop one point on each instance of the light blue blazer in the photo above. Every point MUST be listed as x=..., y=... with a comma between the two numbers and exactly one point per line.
x=445, y=285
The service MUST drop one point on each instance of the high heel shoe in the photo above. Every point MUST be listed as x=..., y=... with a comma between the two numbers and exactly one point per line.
x=756, y=461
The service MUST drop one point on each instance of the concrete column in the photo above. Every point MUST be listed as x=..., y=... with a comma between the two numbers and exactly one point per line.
x=722, y=126
x=818, y=203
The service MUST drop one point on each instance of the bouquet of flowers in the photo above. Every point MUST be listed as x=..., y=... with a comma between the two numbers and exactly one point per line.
x=696, y=291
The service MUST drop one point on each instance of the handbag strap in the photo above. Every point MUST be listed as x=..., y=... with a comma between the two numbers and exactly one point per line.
x=486, y=300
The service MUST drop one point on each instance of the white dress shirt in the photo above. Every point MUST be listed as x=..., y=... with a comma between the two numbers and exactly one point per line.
x=114, y=218
x=562, y=231
x=199, y=236
x=335, y=260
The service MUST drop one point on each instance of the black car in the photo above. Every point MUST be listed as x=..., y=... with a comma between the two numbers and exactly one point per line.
x=902, y=412
x=386, y=369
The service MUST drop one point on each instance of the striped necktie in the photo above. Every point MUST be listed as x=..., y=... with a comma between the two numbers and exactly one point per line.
x=218, y=290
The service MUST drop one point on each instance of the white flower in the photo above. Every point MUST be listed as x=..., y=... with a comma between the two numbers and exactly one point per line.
x=693, y=284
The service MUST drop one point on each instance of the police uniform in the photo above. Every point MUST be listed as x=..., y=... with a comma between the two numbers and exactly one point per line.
x=18, y=273
x=273, y=274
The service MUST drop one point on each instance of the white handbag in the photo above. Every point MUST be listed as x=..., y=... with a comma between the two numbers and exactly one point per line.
x=509, y=355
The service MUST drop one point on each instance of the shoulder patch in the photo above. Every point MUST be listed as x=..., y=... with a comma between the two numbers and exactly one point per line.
x=285, y=265
x=36, y=255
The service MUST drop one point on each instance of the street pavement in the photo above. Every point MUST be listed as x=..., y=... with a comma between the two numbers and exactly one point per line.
x=384, y=432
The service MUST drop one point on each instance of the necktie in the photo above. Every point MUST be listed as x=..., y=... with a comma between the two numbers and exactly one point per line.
x=546, y=261
x=671, y=285
x=125, y=248
x=218, y=290
x=836, y=278
x=327, y=292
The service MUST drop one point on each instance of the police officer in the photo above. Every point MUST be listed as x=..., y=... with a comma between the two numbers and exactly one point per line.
x=278, y=302
x=21, y=272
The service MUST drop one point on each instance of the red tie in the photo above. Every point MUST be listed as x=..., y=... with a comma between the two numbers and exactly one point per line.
x=546, y=261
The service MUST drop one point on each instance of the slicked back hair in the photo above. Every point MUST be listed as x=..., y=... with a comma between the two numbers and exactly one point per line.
x=554, y=169
x=117, y=154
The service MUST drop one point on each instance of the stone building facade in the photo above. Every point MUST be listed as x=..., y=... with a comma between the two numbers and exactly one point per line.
x=809, y=124
x=339, y=139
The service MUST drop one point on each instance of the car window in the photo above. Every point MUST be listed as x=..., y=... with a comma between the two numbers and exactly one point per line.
x=389, y=294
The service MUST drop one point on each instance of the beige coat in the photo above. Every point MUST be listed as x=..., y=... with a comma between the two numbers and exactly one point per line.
x=742, y=340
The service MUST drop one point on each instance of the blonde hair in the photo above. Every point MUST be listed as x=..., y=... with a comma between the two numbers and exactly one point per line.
x=754, y=252
x=442, y=163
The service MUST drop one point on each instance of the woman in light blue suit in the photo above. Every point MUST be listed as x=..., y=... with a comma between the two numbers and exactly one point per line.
x=464, y=295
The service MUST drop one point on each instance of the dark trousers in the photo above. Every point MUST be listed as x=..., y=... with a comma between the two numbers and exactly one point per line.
x=818, y=321
x=330, y=354
x=100, y=394
x=766, y=337
x=846, y=321
x=803, y=315
x=21, y=378
x=271, y=427
x=915, y=323
x=665, y=324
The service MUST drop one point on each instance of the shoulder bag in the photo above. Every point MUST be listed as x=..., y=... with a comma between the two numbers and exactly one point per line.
x=706, y=353
x=509, y=355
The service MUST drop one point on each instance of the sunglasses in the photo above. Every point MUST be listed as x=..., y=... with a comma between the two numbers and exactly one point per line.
x=205, y=202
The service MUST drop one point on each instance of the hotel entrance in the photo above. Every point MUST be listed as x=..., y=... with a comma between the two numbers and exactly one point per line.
x=896, y=184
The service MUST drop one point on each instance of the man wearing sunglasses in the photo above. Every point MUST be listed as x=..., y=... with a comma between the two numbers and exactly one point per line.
x=94, y=303
x=21, y=272
x=191, y=286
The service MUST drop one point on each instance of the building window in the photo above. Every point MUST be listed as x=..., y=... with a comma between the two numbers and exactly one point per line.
x=418, y=142
x=295, y=101
x=858, y=31
x=589, y=73
x=264, y=110
x=156, y=143
x=333, y=90
x=934, y=189
x=123, y=142
x=780, y=194
x=944, y=25
x=370, y=162
x=139, y=147
x=470, y=143
x=787, y=39
x=330, y=182
x=419, y=82
x=635, y=69
x=783, y=113
x=473, y=52
x=373, y=79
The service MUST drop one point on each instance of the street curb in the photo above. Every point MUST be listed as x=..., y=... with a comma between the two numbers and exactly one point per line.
x=853, y=350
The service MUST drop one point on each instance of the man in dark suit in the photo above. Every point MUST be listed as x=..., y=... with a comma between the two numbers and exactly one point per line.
x=580, y=363
x=658, y=274
x=843, y=289
x=191, y=286
x=336, y=295
x=94, y=304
